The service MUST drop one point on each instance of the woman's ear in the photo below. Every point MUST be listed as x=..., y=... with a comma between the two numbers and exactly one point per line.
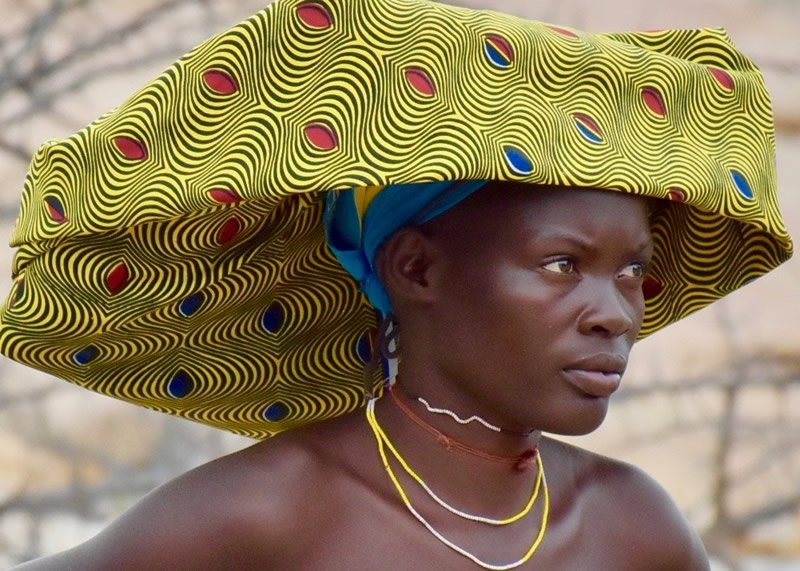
x=407, y=265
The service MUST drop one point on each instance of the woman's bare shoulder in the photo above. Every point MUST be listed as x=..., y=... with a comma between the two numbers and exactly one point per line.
x=635, y=510
x=229, y=513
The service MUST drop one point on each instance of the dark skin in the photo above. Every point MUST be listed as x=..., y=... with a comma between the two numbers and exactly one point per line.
x=510, y=304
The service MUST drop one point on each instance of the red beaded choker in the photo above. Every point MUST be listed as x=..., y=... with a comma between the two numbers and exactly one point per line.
x=521, y=462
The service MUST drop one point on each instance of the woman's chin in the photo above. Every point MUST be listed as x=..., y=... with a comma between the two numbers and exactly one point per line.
x=581, y=422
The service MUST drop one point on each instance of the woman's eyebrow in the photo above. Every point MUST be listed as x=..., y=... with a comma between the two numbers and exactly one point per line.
x=564, y=237
x=644, y=246
x=573, y=239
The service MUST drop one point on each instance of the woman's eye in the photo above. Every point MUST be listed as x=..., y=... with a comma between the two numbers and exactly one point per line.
x=562, y=266
x=634, y=270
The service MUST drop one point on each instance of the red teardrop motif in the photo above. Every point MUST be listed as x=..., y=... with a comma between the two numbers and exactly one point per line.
x=131, y=148
x=321, y=136
x=589, y=122
x=722, y=77
x=651, y=287
x=56, y=215
x=55, y=209
x=652, y=99
x=117, y=278
x=220, y=82
x=224, y=195
x=314, y=15
x=229, y=231
x=676, y=195
x=420, y=81
x=563, y=32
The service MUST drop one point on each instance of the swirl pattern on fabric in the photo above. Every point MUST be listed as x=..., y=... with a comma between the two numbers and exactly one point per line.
x=171, y=253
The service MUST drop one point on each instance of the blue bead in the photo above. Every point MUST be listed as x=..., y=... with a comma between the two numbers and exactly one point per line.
x=741, y=185
x=86, y=355
x=276, y=412
x=180, y=385
x=517, y=160
x=192, y=304
x=273, y=318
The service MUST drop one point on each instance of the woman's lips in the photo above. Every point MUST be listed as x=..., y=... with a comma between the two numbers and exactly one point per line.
x=594, y=383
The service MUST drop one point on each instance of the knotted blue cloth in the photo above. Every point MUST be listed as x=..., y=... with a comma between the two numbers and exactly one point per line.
x=357, y=221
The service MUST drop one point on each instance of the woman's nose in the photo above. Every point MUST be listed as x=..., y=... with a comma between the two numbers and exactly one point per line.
x=607, y=312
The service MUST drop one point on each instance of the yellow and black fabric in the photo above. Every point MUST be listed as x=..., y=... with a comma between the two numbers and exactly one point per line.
x=172, y=253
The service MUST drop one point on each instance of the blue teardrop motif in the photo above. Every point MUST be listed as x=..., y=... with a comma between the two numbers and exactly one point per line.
x=18, y=293
x=497, y=51
x=273, y=318
x=180, y=385
x=56, y=209
x=517, y=160
x=364, y=348
x=276, y=412
x=86, y=355
x=494, y=55
x=741, y=185
x=588, y=128
x=591, y=137
x=192, y=304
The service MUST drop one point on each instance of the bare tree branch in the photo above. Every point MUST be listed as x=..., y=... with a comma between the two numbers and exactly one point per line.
x=83, y=50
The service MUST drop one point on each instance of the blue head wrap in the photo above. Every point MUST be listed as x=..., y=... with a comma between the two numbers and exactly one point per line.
x=355, y=231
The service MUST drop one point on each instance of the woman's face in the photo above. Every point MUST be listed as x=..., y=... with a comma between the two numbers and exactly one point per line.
x=542, y=301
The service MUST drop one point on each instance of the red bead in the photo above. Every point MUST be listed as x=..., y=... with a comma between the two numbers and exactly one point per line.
x=526, y=460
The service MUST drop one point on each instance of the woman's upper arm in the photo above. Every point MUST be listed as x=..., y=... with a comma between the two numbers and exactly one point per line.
x=658, y=534
x=193, y=522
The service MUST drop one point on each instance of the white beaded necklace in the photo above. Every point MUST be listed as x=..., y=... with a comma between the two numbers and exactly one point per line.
x=458, y=419
x=382, y=441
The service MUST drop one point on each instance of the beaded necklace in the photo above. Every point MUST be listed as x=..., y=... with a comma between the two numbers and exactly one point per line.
x=447, y=412
x=458, y=419
x=383, y=442
x=520, y=462
x=448, y=507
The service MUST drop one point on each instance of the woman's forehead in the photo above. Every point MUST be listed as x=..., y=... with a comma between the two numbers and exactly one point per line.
x=537, y=211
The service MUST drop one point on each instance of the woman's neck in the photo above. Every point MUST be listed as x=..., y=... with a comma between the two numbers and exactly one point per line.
x=483, y=470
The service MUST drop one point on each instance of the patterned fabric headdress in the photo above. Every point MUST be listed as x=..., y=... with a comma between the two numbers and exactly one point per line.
x=172, y=253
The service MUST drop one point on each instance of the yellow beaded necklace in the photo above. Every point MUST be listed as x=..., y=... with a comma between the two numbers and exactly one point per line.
x=384, y=442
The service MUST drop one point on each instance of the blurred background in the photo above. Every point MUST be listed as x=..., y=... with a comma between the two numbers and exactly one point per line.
x=710, y=406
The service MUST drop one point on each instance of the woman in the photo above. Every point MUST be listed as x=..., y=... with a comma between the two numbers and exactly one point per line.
x=485, y=180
